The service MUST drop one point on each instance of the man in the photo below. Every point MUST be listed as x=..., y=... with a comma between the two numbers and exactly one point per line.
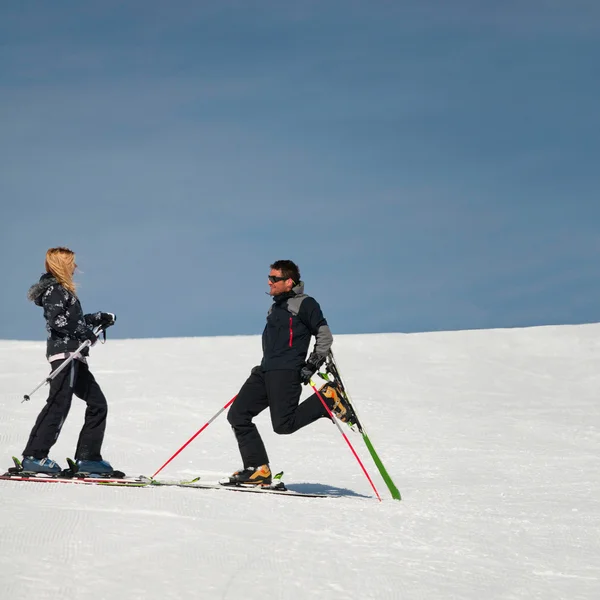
x=276, y=383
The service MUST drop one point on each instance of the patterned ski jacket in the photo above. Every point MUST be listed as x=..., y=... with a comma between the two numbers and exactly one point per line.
x=291, y=320
x=66, y=324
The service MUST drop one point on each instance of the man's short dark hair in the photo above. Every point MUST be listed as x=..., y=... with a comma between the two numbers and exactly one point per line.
x=288, y=268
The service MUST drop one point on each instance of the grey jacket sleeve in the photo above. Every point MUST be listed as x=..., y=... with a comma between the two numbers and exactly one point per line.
x=312, y=316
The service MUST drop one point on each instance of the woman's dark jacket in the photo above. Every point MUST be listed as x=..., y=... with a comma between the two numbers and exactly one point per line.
x=66, y=324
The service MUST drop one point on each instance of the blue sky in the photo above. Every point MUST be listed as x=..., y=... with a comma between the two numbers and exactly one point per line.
x=429, y=165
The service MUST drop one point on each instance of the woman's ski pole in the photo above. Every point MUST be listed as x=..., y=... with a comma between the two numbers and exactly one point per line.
x=56, y=371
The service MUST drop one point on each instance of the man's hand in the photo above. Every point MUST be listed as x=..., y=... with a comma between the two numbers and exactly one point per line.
x=307, y=371
x=311, y=366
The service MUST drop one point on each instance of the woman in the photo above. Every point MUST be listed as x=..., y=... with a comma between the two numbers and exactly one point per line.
x=67, y=328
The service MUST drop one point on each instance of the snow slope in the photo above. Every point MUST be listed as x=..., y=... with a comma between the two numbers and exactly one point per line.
x=493, y=438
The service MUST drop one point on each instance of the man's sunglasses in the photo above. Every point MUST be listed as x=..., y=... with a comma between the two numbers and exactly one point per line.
x=275, y=279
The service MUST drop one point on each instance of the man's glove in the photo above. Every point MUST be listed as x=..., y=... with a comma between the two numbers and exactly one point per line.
x=307, y=371
x=311, y=366
x=107, y=319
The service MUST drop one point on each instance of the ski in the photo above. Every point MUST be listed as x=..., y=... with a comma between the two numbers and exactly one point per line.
x=147, y=483
x=17, y=474
x=276, y=487
x=332, y=372
x=79, y=480
x=240, y=488
x=69, y=475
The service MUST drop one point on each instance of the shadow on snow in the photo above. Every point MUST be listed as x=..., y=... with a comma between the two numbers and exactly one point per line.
x=320, y=488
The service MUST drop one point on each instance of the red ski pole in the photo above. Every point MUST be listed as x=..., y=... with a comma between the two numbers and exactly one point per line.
x=312, y=385
x=195, y=435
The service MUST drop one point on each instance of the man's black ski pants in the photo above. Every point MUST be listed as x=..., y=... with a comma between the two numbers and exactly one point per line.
x=280, y=392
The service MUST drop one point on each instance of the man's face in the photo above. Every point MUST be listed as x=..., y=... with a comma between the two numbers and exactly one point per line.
x=279, y=285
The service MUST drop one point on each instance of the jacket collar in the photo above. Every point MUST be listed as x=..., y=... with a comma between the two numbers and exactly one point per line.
x=295, y=291
x=36, y=291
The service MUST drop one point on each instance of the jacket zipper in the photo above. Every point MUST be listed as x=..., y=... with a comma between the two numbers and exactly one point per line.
x=291, y=332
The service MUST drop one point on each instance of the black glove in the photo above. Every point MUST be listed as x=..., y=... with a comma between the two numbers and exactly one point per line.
x=91, y=336
x=311, y=366
x=307, y=371
x=106, y=320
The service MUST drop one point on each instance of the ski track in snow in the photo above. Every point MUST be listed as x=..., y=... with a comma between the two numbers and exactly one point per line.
x=493, y=438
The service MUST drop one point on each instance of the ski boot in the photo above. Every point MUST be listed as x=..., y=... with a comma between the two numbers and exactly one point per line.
x=259, y=476
x=30, y=464
x=94, y=468
x=339, y=404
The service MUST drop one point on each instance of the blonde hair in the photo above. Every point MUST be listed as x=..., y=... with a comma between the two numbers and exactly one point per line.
x=60, y=262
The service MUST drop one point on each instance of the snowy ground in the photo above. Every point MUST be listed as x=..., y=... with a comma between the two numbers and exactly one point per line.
x=493, y=438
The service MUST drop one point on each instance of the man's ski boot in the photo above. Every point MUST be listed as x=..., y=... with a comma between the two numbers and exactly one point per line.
x=30, y=464
x=339, y=404
x=258, y=476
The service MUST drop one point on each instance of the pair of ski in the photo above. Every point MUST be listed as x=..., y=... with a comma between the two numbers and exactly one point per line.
x=119, y=479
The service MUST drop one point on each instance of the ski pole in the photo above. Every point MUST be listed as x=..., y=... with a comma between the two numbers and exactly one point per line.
x=333, y=367
x=56, y=371
x=195, y=435
x=362, y=466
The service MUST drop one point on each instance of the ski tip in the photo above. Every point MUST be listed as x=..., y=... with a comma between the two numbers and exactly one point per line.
x=195, y=480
